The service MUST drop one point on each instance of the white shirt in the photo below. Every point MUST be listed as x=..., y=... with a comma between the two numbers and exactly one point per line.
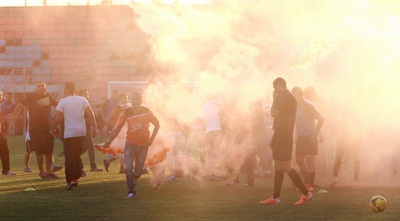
x=210, y=114
x=73, y=108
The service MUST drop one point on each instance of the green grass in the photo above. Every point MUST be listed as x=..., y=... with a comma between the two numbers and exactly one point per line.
x=102, y=196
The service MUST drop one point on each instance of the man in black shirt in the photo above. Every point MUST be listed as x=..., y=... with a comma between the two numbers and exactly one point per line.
x=283, y=111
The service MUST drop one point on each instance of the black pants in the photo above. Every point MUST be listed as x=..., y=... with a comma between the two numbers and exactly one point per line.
x=73, y=161
x=4, y=154
x=88, y=146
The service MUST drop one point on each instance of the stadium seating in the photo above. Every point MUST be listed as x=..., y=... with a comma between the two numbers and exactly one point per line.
x=87, y=44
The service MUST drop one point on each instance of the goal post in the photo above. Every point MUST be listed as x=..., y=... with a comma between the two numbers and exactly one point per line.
x=125, y=86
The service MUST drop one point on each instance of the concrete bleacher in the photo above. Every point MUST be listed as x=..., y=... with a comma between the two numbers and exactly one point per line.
x=90, y=45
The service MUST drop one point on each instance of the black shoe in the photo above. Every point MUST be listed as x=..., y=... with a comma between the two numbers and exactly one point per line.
x=70, y=185
x=106, y=164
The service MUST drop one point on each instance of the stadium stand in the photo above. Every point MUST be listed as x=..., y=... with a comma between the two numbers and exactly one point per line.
x=90, y=45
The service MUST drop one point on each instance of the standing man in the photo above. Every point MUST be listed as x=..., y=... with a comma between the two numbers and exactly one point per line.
x=108, y=105
x=283, y=111
x=72, y=109
x=88, y=143
x=307, y=137
x=7, y=108
x=138, y=139
x=41, y=141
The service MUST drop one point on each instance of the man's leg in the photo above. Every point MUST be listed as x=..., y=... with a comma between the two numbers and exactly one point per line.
x=300, y=160
x=4, y=155
x=129, y=156
x=311, y=162
x=39, y=159
x=49, y=160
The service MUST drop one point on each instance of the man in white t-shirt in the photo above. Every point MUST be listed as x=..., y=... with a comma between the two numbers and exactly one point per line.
x=72, y=109
x=209, y=113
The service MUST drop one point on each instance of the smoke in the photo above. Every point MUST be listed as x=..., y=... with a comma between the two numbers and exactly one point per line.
x=348, y=50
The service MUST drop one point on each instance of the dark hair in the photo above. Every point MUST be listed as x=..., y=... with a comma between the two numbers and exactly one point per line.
x=297, y=91
x=70, y=86
x=279, y=82
x=82, y=92
x=122, y=95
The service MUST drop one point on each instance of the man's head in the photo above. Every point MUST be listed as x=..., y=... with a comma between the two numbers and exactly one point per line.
x=41, y=88
x=8, y=97
x=123, y=99
x=279, y=84
x=115, y=95
x=297, y=93
x=136, y=100
x=84, y=93
x=69, y=88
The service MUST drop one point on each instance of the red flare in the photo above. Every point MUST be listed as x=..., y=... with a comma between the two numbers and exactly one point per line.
x=111, y=150
x=157, y=157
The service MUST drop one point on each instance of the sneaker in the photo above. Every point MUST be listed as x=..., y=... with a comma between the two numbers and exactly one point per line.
x=106, y=165
x=171, y=178
x=271, y=200
x=96, y=170
x=157, y=183
x=248, y=184
x=333, y=182
x=9, y=173
x=267, y=175
x=304, y=198
x=52, y=175
x=55, y=168
x=71, y=184
x=45, y=176
x=232, y=182
x=27, y=170
x=214, y=177
x=131, y=196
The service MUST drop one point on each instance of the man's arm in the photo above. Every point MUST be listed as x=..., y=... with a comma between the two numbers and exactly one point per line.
x=153, y=135
x=56, y=121
x=113, y=135
x=17, y=109
x=320, y=122
x=92, y=119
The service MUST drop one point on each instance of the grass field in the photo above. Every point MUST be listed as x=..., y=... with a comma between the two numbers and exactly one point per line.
x=102, y=196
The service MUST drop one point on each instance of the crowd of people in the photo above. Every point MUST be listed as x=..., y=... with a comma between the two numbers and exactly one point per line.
x=291, y=133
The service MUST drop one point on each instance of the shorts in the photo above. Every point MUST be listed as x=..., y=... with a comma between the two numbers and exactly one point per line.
x=41, y=141
x=305, y=145
x=282, y=145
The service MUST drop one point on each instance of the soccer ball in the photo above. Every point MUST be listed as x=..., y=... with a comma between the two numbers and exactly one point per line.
x=377, y=203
